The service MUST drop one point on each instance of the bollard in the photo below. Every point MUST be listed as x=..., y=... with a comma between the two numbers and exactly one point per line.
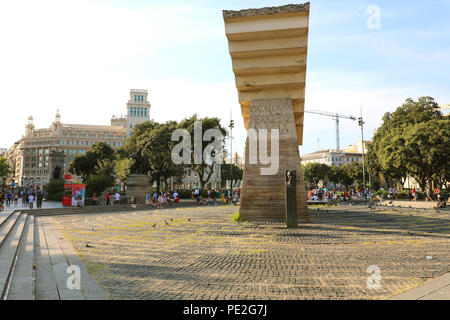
x=291, y=199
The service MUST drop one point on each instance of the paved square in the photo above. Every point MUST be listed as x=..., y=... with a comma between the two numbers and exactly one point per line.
x=202, y=254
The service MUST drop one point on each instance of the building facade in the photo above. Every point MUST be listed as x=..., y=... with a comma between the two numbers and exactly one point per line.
x=138, y=109
x=29, y=158
x=352, y=153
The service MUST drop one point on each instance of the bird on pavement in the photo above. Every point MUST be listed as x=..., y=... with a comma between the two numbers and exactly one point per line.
x=154, y=225
x=166, y=222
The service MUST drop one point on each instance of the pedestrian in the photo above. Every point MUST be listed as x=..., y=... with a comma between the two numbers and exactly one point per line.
x=108, y=198
x=414, y=194
x=2, y=200
x=94, y=199
x=117, y=198
x=31, y=200
x=427, y=192
x=437, y=192
x=39, y=198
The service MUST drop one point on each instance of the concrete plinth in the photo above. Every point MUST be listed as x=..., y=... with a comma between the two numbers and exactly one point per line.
x=138, y=186
x=263, y=197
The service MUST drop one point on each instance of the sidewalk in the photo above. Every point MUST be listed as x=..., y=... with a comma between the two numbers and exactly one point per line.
x=412, y=204
x=434, y=289
x=45, y=205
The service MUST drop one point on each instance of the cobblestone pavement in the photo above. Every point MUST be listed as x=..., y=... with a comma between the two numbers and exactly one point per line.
x=202, y=254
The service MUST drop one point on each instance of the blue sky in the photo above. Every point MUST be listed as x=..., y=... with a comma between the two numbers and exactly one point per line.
x=83, y=57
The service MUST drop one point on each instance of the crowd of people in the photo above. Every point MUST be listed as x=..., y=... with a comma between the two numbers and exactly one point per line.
x=29, y=199
x=208, y=197
x=324, y=194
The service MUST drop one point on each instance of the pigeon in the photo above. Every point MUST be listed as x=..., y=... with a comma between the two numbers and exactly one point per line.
x=88, y=246
x=154, y=225
x=92, y=228
x=166, y=222
x=189, y=219
x=171, y=219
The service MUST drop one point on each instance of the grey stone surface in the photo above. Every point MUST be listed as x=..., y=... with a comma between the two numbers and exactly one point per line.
x=434, y=289
x=22, y=280
x=202, y=254
x=265, y=10
x=8, y=250
x=45, y=288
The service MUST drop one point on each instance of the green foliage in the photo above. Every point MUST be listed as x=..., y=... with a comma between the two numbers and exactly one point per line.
x=122, y=169
x=225, y=172
x=98, y=184
x=55, y=189
x=156, y=146
x=203, y=170
x=4, y=169
x=98, y=160
x=414, y=140
x=315, y=172
x=236, y=217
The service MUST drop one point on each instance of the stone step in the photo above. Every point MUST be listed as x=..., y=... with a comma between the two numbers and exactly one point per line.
x=60, y=266
x=7, y=225
x=21, y=286
x=45, y=287
x=9, y=254
x=89, y=286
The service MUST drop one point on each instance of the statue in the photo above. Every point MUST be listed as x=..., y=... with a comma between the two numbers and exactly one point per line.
x=139, y=165
x=57, y=173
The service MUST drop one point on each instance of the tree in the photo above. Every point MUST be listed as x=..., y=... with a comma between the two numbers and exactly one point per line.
x=428, y=146
x=390, y=153
x=225, y=173
x=335, y=174
x=98, y=184
x=203, y=170
x=4, y=169
x=122, y=168
x=98, y=160
x=156, y=147
x=315, y=172
x=354, y=172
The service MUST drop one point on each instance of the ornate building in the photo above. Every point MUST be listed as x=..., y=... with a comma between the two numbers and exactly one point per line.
x=30, y=157
x=138, y=109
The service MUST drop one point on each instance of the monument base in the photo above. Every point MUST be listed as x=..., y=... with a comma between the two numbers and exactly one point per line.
x=138, y=187
x=263, y=197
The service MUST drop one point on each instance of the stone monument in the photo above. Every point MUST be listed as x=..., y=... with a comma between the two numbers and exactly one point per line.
x=138, y=182
x=56, y=164
x=268, y=48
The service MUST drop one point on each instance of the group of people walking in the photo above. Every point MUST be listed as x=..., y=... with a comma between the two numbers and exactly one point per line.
x=27, y=198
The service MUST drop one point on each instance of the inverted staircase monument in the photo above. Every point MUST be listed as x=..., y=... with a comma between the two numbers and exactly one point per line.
x=268, y=48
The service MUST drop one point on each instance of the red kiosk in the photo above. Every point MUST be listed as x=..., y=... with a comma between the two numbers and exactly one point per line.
x=73, y=193
x=67, y=196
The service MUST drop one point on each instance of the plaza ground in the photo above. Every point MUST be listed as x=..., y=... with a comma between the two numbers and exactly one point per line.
x=200, y=253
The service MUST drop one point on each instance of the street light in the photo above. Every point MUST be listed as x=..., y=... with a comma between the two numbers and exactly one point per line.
x=361, y=124
x=231, y=151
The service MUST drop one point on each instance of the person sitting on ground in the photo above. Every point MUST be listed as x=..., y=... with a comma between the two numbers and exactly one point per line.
x=441, y=204
x=162, y=201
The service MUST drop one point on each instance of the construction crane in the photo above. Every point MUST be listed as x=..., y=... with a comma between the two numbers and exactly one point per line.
x=336, y=116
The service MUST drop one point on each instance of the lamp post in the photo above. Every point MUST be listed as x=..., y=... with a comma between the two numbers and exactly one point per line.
x=231, y=151
x=361, y=124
